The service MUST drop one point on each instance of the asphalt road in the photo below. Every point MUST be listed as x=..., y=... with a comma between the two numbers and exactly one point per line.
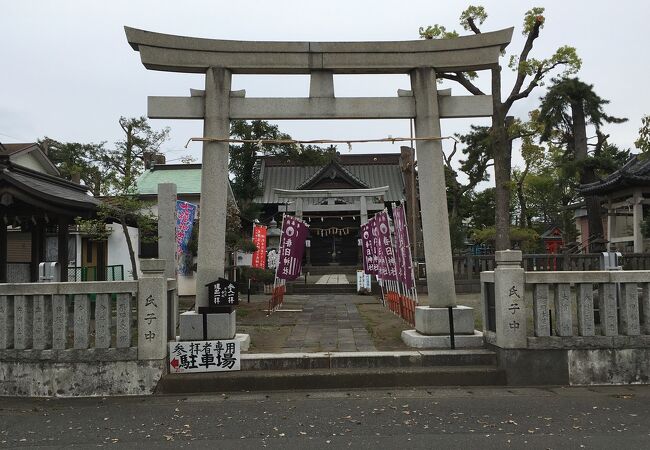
x=468, y=418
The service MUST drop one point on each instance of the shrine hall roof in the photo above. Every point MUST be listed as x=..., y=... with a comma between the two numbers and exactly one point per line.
x=373, y=170
x=636, y=172
x=45, y=192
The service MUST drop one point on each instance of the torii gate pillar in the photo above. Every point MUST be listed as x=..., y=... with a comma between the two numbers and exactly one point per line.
x=214, y=182
x=433, y=196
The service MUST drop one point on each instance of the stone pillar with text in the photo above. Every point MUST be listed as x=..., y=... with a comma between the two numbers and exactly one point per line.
x=509, y=302
x=152, y=310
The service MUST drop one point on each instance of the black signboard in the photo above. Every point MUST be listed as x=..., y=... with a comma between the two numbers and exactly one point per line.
x=222, y=293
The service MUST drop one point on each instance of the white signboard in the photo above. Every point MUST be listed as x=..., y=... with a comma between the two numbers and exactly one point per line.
x=363, y=281
x=204, y=356
x=244, y=259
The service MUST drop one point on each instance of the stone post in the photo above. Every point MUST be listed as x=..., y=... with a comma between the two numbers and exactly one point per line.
x=645, y=308
x=81, y=321
x=22, y=322
x=152, y=310
x=540, y=310
x=629, y=309
x=563, y=318
x=6, y=321
x=167, y=242
x=510, y=306
x=363, y=209
x=59, y=321
x=299, y=202
x=435, y=221
x=123, y=321
x=103, y=321
x=167, y=227
x=607, y=309
x=637, y=218
x=585, y=309
x=42, y=322
x=214, y=182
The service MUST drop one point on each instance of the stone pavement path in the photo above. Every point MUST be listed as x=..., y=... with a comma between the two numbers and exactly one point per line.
x=329, y=323
x=337, y=278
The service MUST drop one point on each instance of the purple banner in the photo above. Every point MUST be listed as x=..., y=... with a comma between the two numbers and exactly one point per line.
x=387, y=267
x=185, y=213
x=292, y=247
x=370, y=265
x=402, y=248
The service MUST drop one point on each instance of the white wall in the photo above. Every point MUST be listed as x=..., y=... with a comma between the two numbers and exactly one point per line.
x=28, y=160
x=118, y=252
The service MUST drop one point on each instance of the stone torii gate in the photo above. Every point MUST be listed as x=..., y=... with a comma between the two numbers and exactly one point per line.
x=217, y=105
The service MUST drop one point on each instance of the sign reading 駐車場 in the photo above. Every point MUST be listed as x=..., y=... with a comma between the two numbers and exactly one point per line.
x=204, y=356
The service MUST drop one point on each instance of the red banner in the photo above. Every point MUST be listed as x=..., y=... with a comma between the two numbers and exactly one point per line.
x=259, y=239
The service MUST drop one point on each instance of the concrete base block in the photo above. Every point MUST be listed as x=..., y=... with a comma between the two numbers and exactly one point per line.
x=219, y=326
x=417, y=340
x=435, y=321
x=244, y=341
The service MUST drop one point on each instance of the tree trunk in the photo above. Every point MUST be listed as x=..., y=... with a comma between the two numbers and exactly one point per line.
x=523, y=210
x=502, y=155
x=587, y=175
x=129, y=245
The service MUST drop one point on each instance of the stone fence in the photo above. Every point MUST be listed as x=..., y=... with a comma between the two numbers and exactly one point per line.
x=594, y=318
x=468, y=268
x=111, y=335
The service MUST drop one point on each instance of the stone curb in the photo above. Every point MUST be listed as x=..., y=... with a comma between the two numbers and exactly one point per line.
x=365, y=360
x=331, y=379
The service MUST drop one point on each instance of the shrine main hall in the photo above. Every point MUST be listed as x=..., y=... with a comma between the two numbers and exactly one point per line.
x=336, y=198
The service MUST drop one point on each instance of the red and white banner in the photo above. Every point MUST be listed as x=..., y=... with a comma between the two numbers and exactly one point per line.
x=259, y=239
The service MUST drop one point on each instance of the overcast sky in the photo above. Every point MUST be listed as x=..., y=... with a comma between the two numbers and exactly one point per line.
x=67, y=71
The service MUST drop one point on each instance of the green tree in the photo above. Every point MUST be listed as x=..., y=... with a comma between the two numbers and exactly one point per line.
x=566, y=110
x=478, y=158
x=643, y=142
x=116, y=171
x=482, y=207
x=533, y=156
x=83, y=160
x=244, y=160
x=530, y=73
x=125, y=162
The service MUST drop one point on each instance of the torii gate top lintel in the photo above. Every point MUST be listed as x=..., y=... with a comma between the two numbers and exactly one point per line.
x=166, y=52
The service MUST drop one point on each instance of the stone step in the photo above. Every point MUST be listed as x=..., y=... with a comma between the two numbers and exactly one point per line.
x=327, y=270
x=321, y=288
x=365, y=360
x=384, y=377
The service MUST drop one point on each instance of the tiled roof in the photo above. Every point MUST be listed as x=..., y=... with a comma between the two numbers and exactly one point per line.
x=335, y=167
x=49, y=189
x=374, y=170
x=636, y=172
x=10, y=149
